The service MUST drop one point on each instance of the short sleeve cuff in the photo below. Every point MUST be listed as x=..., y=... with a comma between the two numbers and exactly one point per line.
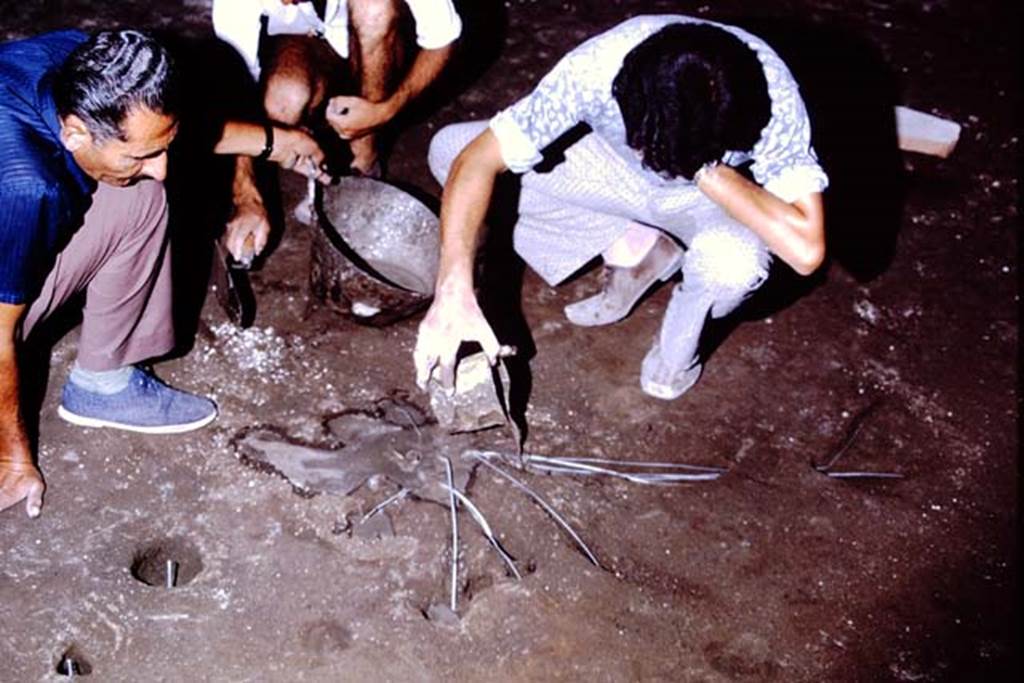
x=795, y=182
x=12, y=297
x=440, y=35
x=517, y=150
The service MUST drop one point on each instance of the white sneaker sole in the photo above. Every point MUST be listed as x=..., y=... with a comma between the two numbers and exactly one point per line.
x=83, y=421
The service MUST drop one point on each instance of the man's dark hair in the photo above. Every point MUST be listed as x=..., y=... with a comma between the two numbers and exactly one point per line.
x=688, y=94
x=111, y=74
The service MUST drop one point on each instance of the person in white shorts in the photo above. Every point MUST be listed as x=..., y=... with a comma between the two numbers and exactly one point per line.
x=312, y=48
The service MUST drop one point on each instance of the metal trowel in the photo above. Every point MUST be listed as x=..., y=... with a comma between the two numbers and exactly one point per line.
x=231, y=279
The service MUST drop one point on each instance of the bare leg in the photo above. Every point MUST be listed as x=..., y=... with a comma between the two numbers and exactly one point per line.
x=295, y=83
x=632, y=247
x=377, y=52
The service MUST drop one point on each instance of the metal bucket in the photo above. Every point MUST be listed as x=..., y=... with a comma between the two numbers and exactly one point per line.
x=375, y=257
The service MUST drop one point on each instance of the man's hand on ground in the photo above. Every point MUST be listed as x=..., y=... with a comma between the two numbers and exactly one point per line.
x=296, y=150
x=247, y=232
x=450, y=321
x=21, y=481
x=19, y=478
x=354, y=117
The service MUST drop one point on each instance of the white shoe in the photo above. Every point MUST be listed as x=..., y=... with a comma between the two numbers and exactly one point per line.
x=662, y=380
x=623, y=287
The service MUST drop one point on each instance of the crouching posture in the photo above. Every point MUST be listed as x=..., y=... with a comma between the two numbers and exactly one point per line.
x=85, y=124
x=306, y=52
x=681, y=111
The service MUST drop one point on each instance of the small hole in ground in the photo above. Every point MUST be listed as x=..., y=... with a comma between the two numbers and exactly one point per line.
x=72, y=663
x=166, y=563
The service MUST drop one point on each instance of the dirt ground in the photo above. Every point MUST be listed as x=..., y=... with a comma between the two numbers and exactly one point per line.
x=907, y=342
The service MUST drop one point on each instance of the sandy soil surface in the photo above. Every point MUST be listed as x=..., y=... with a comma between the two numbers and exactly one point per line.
x=902, y=351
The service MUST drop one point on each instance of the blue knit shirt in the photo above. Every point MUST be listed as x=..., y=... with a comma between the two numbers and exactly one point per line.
x=43, y=192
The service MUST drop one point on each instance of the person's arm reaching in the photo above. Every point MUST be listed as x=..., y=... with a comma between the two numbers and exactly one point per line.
x=455, y=315
x=795, y=232
x=353, y=117
x=292, y=148
x=248, y=230
x=19, y=478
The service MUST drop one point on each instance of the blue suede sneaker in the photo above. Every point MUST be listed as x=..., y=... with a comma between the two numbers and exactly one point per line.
x=146, y=405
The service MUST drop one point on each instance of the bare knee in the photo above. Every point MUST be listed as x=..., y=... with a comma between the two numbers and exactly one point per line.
x=287, y=99
x=373, y=20
x=731, y=263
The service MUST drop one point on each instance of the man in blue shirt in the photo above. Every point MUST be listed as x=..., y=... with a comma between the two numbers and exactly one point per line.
x=85, y=125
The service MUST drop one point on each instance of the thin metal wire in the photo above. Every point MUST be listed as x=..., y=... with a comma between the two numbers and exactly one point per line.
x=412, y=420
x=455, y=534
x=630, y=463
x=863, y=475
x=635, y=477
x=646, y=479
x=479, y=518
x=402, y=493
x=540, y=501
x=851, y=435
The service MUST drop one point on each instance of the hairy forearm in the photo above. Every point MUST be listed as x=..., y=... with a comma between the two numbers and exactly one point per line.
x=289, y=147
x=243, y=185
x=425, y=69
x=794, y=232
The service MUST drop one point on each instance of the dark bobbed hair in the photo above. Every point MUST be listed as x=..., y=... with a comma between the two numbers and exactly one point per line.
x=110, y=75
x=688, y=94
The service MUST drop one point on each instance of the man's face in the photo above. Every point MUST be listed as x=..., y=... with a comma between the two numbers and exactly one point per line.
x=141, y=154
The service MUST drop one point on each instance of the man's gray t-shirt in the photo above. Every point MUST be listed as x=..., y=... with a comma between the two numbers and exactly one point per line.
x=579, y=90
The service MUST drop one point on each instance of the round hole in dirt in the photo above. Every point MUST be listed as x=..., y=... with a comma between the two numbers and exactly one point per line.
x=166, y=563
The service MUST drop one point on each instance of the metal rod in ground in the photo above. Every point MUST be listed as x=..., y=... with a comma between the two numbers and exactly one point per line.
x=632, y=463
x=455, y=534
x=851, y=435
x=543, y=462
x=171, y=576
x=68, y=664
x=543, y=503
x=481, y=521
x=402, y=493
x=412, y=420
x=581, y=463
x=646, y=479
x=862, y=475
x=506, y=382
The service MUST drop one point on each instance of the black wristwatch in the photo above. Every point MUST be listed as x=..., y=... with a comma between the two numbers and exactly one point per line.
x=268, y=144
